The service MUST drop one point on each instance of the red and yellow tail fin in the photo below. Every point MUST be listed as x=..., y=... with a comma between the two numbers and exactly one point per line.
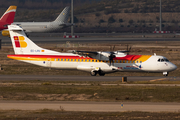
x=23, y=45
x=8, y=16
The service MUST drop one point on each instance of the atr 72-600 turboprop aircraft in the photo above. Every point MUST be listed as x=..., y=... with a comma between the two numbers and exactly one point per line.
x=93, y=62
x=59, y=23
x=7, y=18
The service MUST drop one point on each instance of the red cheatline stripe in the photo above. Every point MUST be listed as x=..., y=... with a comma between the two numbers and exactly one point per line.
x=128, y=57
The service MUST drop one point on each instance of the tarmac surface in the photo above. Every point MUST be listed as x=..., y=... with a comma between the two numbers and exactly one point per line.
x=90, y=106
x=60, y=40
x=83, y=78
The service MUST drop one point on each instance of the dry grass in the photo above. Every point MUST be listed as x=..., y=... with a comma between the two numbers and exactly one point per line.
x=54, y=91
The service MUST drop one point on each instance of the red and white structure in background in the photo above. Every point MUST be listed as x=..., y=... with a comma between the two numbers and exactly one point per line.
x=161, y=32
x=70, y=36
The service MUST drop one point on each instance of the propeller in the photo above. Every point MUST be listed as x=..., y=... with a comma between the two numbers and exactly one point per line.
x=128, y=49
x=112, y=48
x=111, y=56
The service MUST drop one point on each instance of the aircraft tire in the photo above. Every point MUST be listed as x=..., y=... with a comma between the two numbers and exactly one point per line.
x=166, y=74
x=93, y=73
x=101, y=74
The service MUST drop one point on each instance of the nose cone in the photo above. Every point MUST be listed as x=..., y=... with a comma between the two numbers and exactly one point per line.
x=173, y=67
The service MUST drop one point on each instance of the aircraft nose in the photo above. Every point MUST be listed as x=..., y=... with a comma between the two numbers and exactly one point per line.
x=173, y=67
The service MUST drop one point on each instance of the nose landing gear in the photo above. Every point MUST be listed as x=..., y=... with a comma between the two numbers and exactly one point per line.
x=165, y=73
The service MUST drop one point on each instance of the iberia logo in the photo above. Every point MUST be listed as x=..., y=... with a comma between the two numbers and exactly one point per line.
x=19, y=41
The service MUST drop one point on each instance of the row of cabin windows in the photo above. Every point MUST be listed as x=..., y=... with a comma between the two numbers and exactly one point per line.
x=94, y=60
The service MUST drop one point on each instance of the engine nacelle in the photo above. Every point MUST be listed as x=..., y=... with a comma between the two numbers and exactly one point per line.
x=105, y=69
x=85, y=68
x=6, y=33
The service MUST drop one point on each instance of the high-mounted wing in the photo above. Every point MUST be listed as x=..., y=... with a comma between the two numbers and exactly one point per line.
x=84, y=53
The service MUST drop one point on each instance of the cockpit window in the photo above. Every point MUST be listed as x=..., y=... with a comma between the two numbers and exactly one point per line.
x=166, y=60
x=163, y=60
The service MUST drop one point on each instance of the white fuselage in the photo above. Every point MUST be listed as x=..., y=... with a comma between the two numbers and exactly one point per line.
x=74, y=61
x=40, y=26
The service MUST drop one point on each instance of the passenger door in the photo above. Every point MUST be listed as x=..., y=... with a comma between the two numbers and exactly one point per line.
x=48, y=63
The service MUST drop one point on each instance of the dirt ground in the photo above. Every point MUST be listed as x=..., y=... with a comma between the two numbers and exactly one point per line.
x=47, y=114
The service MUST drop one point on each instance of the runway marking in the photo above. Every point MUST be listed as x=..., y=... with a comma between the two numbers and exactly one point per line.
x=158, y=79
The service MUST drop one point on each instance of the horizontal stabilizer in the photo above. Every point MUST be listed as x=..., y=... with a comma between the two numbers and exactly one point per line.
x=15, y=28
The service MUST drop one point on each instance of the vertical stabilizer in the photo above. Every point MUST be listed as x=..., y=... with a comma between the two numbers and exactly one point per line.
x=63, y=16
x=23, y=45
x=8, y=16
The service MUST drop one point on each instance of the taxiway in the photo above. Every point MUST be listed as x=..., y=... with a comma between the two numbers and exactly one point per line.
x=82, y=78
x=90, y=106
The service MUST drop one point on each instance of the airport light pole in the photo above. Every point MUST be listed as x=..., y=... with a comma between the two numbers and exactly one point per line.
x=160, y=17
x=72, y=19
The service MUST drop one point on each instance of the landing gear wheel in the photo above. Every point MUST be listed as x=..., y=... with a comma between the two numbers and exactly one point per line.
x=101, y=74
x=93, y=73
x=165, y=73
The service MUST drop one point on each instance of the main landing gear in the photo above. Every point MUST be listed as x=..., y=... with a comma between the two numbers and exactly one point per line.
x=165, y=73
x=94, y=73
